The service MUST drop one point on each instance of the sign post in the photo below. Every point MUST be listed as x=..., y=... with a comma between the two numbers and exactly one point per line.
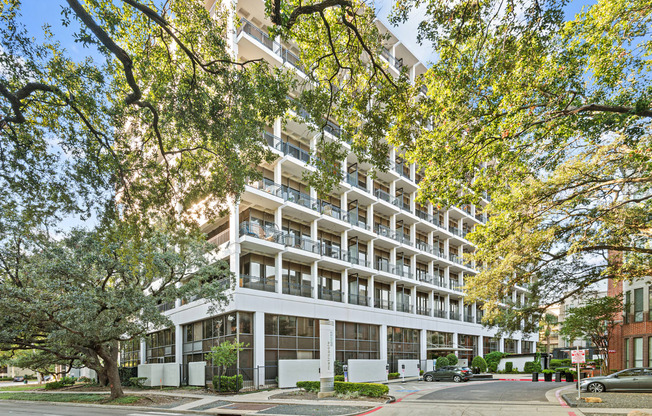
x=326, y=358
x=578, y=356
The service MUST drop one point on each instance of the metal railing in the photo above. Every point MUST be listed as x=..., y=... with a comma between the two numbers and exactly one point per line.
x=455, y=258
x=329, y=294
x=423, y=246
x=355, y=220
x=403, y=270
x=262, y=37
x=383, y=230
x=404, y=307
x=359, y=300
x=424, y=277
x=439, y=281
x=258, y=283
x=299, y=198
x=297, y=289
x=220, y=238
x=384, y=265
x=454, y=315
x=456, y=286
x=383, y=304
x=267, y=185
x=357, y=260
x=421, y=310
x=353, y=180
x=333, y=252
x=454, y=230
x=468, y=318
x=264, y=233
x=441, y=313
x=333, y=211
x=301, y=242
x=405, y=206
x=384, y=196
x=401, y=237
x=402, y=170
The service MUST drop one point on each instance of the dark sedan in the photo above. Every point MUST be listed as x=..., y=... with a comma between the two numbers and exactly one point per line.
x=629, y=379
x=446, y=373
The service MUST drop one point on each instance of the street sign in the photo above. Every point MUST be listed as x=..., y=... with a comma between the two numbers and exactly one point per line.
x=578, y=356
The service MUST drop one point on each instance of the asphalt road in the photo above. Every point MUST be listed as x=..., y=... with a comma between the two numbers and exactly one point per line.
x=492, y=391
x=47, y=409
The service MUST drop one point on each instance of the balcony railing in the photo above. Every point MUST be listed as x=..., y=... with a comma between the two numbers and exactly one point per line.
x=329, y=294
x=480, y=217
x=405, y=206
x=455, y=258
x=424, y=277
x=264, y=233
x=441, y=313
x=383, y=230
x=165, y=306
x=403, y=270
x=355, y=220
x=404, y=307
x=468, y=318
x=423, y=246
x=267, y=185
x=359, y=300
x=422, y=310
x=456, y=286
x=275, y=47
x=402, y=237
x=297, y=289
x=333, y=211
x=439, y=281
x=439, y=252
x=454, y=315
x=478, y=319
x=454, y=230
x=301, y=242
x=384, y=196
x=402, y=170
x=353, y=180
x=299, y=198
x=383, y=304
x=333, y=252
x=220, y=238
x=423, y=215
x=296, y=152
x=258, y=283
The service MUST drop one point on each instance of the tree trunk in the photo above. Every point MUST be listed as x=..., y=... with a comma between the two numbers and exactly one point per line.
x=109, y=355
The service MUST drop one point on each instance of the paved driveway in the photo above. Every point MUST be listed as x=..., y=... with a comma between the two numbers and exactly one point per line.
x=493, y=391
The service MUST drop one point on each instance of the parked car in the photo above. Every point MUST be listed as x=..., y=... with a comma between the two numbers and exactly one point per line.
x=630, y=379
x=447, y=373
x=19, y=379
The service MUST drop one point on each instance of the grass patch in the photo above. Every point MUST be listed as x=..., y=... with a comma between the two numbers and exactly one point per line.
x=23, y=387
x=69, y=398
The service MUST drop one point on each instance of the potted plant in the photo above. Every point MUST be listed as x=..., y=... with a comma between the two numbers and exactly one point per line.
x=547, y=374
x=570, y=375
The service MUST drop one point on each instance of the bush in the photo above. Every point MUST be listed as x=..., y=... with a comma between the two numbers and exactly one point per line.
x=442, y=362
x=493, y=367
x=137, y=381
x=555, y=363
x=228, y=383
x=6, y=378
x=54, y=385
x=532, y=367
x=126, y=373
x=509, y=366
x=84, y=379
x=68, y=381
x=339, y=378
x=480, y=363
x=339, y=368
x=548, y=371
x=341, y=387
x=494, y=357
x=452, y=359
x=392, y=376
x=421, y=372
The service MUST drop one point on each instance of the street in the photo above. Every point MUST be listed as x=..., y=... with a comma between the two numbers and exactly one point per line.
x=48, y=409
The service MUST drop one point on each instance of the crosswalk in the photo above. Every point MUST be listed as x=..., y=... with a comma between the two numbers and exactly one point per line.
x=154, y=413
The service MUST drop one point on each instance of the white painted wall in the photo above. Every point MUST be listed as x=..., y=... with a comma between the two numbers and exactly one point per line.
x=291, y=371
x=160, y=374
x=197, y=373
x=367, y=371
x=411, y=369
x=519, y=362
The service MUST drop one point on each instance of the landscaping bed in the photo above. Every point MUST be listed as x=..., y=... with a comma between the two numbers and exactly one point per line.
x=614, y=400
x=309, y=395
x=91, y=398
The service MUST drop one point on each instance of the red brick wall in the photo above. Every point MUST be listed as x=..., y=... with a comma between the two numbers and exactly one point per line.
x=617, y=341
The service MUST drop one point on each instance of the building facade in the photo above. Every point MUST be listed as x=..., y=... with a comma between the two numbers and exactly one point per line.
x=388, y=270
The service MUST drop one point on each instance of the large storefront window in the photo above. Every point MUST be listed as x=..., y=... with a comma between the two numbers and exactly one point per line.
x=511, y=346
x=130, y=353
x=402, y=344
x=470, y=345
x=200, y=337
x=161, y=346
x=490, y=345
x=355, y=341
x=438, y=344
x=527, y=347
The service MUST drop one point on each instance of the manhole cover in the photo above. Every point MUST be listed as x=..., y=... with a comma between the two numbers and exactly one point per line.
x=247, y=406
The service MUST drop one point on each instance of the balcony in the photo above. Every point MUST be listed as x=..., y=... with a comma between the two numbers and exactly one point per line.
x=221, y=238
x=297, y=289
x=268, y=185
x=357, y=259
x=404, y=271
x=264, y=233
x=439, y=281
x=355, y=220
x=404, y=307
x=454, y=231
x=468, y=318
x=423, y=215
x=358, y=300
x=333, y=211
x=401, y=237
x=328, y=294
x=454, y=316
x=456, y=286
x=383, y=231
x=257, y=283
x=480, y=217
x=353, y=180
x=299, y=198
x=424, y=277
x=383, y=304
x=269, y=43
x=402, y=169
x=425, y=247
x=165, y=306
x=296, y=152
x=301, y=242
x=423, y=310
x=384, y=196
x=441, y=313
x=405, y=206
x=393, y=61
x=455, y=258
x=333, y=252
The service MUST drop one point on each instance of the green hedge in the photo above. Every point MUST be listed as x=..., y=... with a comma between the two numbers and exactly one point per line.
x=509, y=366
x=6, y=378
x=339, y=378
x=392, y=376
x=227, y=383
x=364, y=389
x=494, y=357
x=555, y=363
x=54, y=385
x=480, y=363
x=532, y=367
x=493, y=367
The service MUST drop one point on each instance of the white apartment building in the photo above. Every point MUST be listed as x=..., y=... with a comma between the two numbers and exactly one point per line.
x=388, y=270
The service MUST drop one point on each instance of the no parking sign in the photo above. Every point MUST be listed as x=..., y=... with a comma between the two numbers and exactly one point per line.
x=578, y=356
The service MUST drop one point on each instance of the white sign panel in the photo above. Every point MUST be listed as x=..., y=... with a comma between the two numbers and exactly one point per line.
x=327, y=348
x=578, y=356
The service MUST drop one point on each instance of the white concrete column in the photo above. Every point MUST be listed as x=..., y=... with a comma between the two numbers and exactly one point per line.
x=423, y=345
x=259, y=346
x=315, y=279
x=413, y=231
x=447, y=305
x=370, y=254
x=383, y=342
x=501, y=344
x=279, y=272
x=143, y=349
x=431, y=302
x=413, y=266
x=345, y=286
x=278, y=128
x=392, y=295
x=413, y=299
x=370, y=289
x=278, y=173
x=178, y=344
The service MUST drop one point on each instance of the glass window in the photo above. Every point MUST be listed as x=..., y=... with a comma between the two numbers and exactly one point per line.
x=627, y=363
x=245, y=322
x=638, y=352
x=638, y=305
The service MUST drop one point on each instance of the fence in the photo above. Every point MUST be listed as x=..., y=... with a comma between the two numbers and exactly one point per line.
x=248, y=379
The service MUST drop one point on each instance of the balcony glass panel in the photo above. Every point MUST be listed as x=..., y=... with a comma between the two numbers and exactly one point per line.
x=258, y=283
x=383, y=304
x=328, y=294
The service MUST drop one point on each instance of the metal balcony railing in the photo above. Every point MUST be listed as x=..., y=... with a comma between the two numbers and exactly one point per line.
x=267, y=185
x=301, y=242
x=439, y=281
x=405, y=206
x=423, y=215
x=404, y=307
x=329, y=294
x=401, y=237
x=455, y=258
x=423, y=310
x=220, y=238
x=456, y=286
x=454, y=315
x=333, y=211
x=269, y=43
x=359, y=259
x=353, y=180
x=423, y=246
x=403, y=270
x=468, y=318
x=264, y=233
x=383, y=304
x=384, y=196
x=357, y=221
x=383, y=230
x=258, y=283
x=402, y=170
x=333, y=252
x=424, y=277
x=299, y=198
x=359, y=300
x=441, y=313
x=297, y=289
x=454, y=230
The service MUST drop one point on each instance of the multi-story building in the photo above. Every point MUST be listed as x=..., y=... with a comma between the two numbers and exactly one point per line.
x=387, y=269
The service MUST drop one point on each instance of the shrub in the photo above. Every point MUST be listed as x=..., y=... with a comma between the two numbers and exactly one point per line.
x=339, y=368
x=137, y=381
x=84, y=379
x=341, y=387
x=339, y=378
x=509, y=366
x=493, y=357
x=228, y=383
x=392, y=376
x=54, y=385
x=532, y=367
x=442, y=362
x=548, y=371
x=68, y=381
x=452, y=359
x=555, y=363
x=480, y=363
x=421, y=372
x=493, y=367
x=6, y=378
x=126, y=373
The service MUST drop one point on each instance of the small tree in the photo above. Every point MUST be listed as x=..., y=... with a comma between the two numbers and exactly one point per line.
x=480, y=363
x=547, y=323
x=225, y=355
x=452, y=359
x=442, y=362
x=595, y=321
